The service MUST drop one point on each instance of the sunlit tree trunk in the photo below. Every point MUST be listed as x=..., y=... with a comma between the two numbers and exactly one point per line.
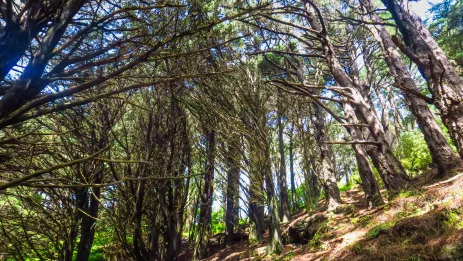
x=324, y=167
x=369, y=183
x=441, y=152
x=394, y=175
x=444, y=82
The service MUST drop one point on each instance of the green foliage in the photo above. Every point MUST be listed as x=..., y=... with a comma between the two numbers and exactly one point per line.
x=345, y=187
x=452, y=219
x=288, y=256
x=447, y=27
x=413, y=192
x=96, y=256
x=218, y=226
x=413, y=152
x=315, y=242
x=305, y=199
x=356, y=248
x=266, y=65
x=361, y=221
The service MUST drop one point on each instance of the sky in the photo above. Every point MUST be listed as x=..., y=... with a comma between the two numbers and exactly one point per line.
x=421, y=7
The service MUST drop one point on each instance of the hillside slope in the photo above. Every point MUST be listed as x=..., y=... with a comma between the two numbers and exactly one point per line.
x=424, y=223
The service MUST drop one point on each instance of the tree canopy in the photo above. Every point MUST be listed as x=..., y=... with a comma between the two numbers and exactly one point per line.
x=137, y=130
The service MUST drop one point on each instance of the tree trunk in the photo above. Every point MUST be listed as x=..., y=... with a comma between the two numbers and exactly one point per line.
x=174, y=240
x=444, y=82
x=154, y=237
x=87, y=233
x=138, y=243
x=29, y=84
x=282, y=183
x=233, y=178
x=347, y=175
x=311, y=192
x=256, y=209
x=369, y=183
x=205, y=214
x=274, y=245
x=294, y=201
x=80, y=204
x=395, y=177
x=324, y=167
x=441, y=152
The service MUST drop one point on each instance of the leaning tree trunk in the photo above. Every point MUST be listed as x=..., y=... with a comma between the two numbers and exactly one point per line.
x=444, y=82
x=324, y=167
x=256, y=195
x=441, y=152
x=30, y=84
x=205, y=213
x=325, y=170
x=394, y=176
x=369, y=183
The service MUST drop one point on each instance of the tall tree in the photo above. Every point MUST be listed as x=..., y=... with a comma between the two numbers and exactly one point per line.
x=394, y=175
x=204, y=222
x=441, y=151
x=444, y=83
x=282, y=177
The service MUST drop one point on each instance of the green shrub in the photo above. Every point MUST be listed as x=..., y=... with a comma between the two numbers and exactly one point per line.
x=413, y=152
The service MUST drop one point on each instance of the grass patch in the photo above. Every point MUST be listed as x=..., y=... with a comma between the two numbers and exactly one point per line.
x=288, y=256
x=346, y=187
x=315, y=242
x=452, y=219
x=361, y=221
x=410, y=193
x=356, y=248
x=378, y=230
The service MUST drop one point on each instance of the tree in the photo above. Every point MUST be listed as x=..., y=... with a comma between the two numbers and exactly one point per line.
x=282, y=183
x=443, y=81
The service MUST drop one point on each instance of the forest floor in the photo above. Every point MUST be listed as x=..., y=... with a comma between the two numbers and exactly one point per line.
x=424, y=223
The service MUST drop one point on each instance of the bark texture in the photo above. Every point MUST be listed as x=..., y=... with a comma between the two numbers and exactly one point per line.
x=324, y=167
x=441, y=152
x=233, y=178
x=394, y=175
x=282, y=183
x=443, y=81
x=294, y=200
x=205, y=213
x=274, y=245
x=369, y=184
